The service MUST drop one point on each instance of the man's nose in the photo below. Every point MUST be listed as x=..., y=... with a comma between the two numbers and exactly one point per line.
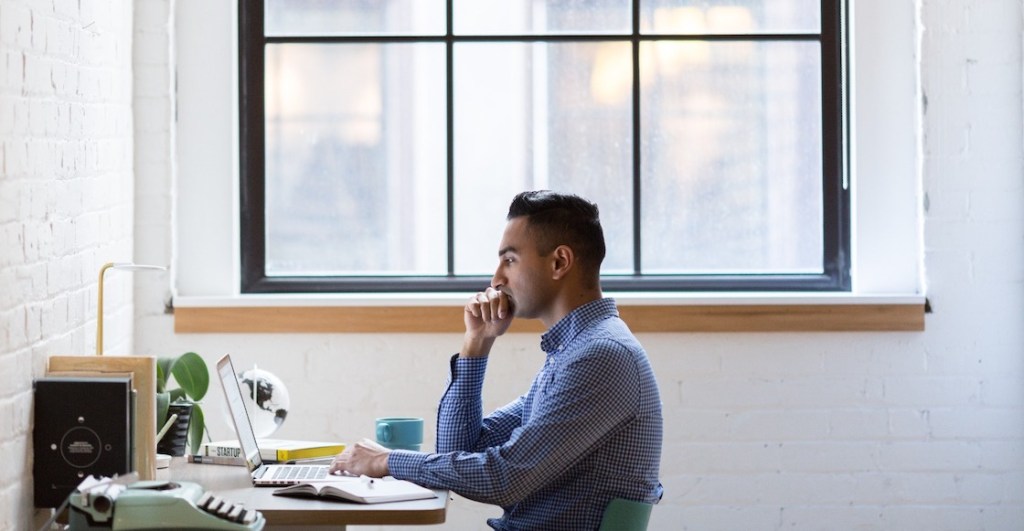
x=498, y=280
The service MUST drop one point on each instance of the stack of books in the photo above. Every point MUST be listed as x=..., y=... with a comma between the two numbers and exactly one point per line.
x=274, y=450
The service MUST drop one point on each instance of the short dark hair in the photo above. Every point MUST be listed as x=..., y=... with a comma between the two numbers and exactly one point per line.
x=562, y=219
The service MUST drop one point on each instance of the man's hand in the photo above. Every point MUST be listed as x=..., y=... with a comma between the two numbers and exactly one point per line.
x=488, y=315
x=364, y=458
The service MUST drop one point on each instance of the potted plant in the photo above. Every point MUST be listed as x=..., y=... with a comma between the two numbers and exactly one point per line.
x=193, y=378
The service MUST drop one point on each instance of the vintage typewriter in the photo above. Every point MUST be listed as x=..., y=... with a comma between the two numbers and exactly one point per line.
x=121, y=504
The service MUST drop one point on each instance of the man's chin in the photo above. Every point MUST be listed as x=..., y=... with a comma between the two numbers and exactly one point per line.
x=522, y=313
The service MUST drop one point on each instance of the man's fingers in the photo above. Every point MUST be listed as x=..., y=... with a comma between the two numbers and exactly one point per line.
x=498, y=304
x=473, y=306
x=490, y=305
x=482, y=305
x=338, y=463
x=485, y=306
x=503, y=306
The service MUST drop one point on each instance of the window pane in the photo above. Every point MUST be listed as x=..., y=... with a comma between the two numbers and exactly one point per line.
x=354, y=17
x=355, y=159
x=540, y=116
x=729, y=16
x=731, y=151
x=530, y=17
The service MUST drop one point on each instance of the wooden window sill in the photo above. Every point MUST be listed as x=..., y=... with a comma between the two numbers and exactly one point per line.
x=811, y=314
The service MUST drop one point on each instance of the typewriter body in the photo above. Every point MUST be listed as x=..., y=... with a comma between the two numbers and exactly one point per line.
x=118, y=505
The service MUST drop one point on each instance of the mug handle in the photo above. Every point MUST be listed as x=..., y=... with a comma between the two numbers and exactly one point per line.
x=384, y=432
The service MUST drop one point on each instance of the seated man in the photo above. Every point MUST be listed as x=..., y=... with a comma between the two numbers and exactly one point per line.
x=590, y=427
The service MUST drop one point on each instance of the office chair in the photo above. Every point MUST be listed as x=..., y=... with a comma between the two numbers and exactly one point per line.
x=626, y=515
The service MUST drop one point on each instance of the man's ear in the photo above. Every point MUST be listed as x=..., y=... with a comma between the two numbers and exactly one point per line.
x=563, y=259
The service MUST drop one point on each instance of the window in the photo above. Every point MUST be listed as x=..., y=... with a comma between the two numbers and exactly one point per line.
x=382, y=140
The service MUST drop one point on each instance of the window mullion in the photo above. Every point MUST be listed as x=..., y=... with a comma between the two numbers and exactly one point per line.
x=637, y=204
x=450, y=133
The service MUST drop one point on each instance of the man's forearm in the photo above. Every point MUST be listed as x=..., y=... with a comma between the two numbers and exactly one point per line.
x=460, y=410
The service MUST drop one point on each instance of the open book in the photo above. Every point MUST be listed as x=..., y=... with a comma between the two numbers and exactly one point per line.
x=360, y=490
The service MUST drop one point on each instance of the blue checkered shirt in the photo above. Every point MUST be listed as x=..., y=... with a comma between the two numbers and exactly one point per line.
x=589, y=430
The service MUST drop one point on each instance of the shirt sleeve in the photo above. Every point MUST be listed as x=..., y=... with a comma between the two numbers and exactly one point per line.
x=577, y=406
x=460, y=422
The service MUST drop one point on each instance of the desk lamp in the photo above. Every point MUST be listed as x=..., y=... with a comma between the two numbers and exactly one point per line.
x=123, y=266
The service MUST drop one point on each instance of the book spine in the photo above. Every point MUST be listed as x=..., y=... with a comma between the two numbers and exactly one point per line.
x=215, y=460
x=223, y=451
x=309, y=453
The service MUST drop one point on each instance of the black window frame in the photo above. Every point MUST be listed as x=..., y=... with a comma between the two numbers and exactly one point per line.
x=835, y=171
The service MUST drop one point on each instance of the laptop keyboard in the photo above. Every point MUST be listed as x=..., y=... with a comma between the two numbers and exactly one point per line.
x=300, y=472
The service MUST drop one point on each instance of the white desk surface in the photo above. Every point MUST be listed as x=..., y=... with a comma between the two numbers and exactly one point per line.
x=233, y=484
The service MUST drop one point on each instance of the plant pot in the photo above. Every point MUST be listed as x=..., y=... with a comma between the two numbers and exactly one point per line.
x=175, y=441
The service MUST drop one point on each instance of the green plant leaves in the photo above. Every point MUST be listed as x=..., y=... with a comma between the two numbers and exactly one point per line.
x=163, y=400
x=190, y=372
x=163, y=372
x=193, y=379
x=196, y=429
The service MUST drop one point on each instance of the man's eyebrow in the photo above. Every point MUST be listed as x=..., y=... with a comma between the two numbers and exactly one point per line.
x=506, y=250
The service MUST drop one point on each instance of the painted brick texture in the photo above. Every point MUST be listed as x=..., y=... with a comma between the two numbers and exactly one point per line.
x=65, y=203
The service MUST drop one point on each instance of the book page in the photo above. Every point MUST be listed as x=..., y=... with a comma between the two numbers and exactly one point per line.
x=362, y=490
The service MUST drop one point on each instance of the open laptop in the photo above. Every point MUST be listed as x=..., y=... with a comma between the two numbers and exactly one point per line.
x=263, y=474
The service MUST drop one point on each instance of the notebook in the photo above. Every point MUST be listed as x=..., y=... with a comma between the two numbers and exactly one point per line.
x=263, y=474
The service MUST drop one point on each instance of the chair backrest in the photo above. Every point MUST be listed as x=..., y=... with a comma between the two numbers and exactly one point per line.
x=626, y=515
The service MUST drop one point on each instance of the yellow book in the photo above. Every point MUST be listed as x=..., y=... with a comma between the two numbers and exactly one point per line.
x=306, y=450
x=279, y=450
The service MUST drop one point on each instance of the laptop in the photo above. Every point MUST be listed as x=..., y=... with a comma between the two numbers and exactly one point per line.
x=263, y=474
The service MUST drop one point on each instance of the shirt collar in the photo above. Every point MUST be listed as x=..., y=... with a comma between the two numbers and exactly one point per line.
x=558, y=337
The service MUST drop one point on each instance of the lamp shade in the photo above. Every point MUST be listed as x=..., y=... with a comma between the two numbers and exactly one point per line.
x=122, y=266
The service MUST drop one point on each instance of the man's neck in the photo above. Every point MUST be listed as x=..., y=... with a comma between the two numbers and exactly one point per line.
x=565, y=305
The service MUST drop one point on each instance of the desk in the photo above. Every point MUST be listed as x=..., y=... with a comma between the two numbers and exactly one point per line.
x=233, y=483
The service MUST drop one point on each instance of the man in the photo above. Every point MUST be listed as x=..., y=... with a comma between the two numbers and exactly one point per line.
x=590, y=427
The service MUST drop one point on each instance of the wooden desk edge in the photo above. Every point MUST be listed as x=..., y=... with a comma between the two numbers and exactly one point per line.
x=233, y=484
x=391, y=513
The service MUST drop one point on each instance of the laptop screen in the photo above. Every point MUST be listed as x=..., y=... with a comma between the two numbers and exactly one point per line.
x=243, y=427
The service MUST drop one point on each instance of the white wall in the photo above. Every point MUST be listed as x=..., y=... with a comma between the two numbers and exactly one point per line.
x=806, y=431
x=66, y=186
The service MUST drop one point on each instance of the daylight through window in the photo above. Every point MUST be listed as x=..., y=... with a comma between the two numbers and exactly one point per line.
x=383, y=140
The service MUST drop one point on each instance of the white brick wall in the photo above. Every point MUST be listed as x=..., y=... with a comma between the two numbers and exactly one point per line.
x=65, y=203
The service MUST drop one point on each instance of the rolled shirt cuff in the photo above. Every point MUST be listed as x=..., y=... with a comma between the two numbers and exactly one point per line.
x=406, y=464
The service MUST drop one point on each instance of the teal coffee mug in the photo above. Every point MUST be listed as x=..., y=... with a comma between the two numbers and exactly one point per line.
x=400, y=433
